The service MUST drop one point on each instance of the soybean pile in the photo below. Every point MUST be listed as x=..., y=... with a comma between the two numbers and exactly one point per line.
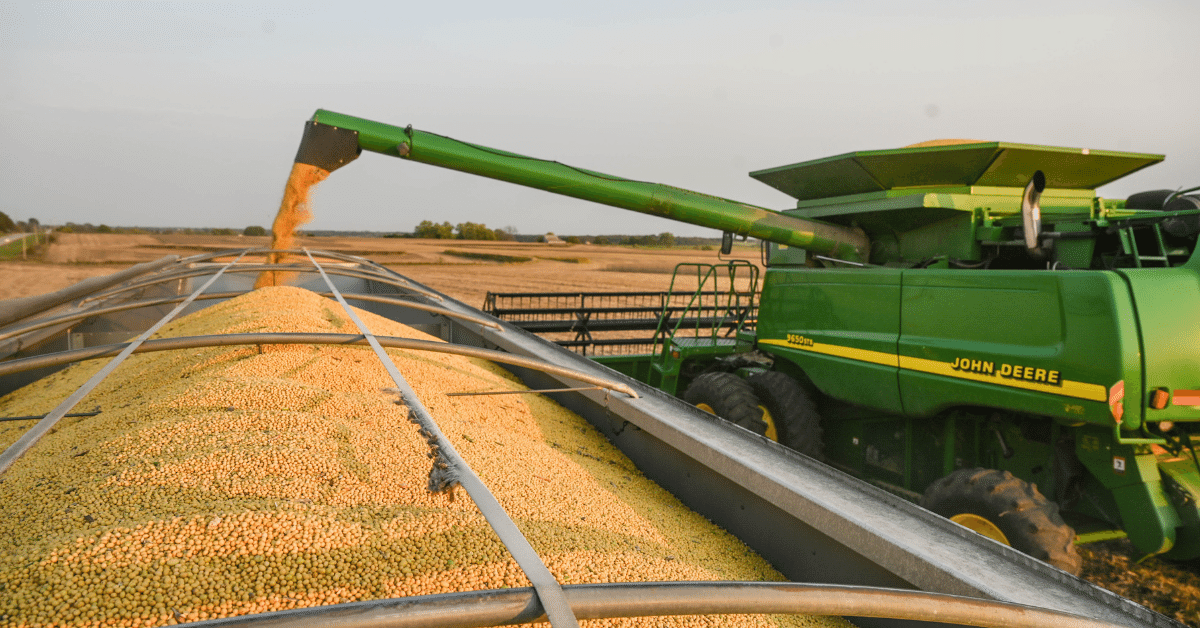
x=227, y=481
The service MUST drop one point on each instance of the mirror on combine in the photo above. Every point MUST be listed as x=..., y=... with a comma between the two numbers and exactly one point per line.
x=726, y=242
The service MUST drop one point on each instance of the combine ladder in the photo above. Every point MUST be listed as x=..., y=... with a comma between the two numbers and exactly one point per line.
x=1154, y=250
x=729, y=291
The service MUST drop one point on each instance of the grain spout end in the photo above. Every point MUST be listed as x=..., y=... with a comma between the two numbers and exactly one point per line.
x=327, y=147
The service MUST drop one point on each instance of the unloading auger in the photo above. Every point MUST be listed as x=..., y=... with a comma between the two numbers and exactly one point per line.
x=331, y=140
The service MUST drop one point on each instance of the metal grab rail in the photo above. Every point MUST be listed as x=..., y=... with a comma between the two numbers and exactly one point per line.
x=259, y=268
x=733, y=305
x=225, y=340
x=549, y=591
x=24, y=307
x=376, y=298
x=35, y=433
x=648, y=599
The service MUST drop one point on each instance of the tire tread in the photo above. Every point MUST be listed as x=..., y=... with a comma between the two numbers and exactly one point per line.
x=794, y=411
x=1029, y=520
x=730, y=397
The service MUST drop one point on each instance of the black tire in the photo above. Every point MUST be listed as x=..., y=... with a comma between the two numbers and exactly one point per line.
x=1153, y=199
x=729, y=397
x=1029, y=521
x=793, y=411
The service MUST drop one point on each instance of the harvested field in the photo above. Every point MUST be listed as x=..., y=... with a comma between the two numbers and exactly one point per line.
x=101, y=248
x=579, y=267
x=25, y=279
x=226, y=481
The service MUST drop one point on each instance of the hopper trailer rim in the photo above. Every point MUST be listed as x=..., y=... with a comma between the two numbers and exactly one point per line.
x=377, y=298
x=457, y=471
x=259, y=268
x=498, y=607
x=24, y=307
x=282, y=338
x=743, y=462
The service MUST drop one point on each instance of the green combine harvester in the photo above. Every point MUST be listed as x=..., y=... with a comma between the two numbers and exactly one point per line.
x=964, y=323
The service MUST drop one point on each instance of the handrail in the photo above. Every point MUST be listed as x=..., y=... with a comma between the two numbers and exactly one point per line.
x=225, y=340
x=376, y=298
x=450, y=468
x=648, y=599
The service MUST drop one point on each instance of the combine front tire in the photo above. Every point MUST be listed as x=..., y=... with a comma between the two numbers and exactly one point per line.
x=790, y=410
x=1005, y=508
x=729, y=397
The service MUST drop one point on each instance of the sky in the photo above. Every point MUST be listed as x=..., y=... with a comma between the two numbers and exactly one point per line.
x=189, y=114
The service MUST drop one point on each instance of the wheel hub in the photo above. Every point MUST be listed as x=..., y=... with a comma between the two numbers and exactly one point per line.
x=772, y=431
x=980, y=525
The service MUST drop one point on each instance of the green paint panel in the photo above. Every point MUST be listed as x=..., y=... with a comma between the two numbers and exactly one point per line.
x=949, y=165
x=1168, y=311
x=1000, y=164
x=1012, y=322
x=853, y=313
x=1130, y=473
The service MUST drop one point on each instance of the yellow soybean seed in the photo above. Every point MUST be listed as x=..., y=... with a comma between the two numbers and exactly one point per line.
x=228, y=481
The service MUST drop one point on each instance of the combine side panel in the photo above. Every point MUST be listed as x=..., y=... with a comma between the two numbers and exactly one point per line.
x=1044, y=343
x=1168, y=312
x=839, y=326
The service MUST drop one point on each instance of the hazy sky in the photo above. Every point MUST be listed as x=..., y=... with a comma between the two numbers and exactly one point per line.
x=189, y=114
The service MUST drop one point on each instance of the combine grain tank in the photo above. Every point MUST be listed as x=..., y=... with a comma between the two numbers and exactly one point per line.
x=212, y=456
x=965, y=323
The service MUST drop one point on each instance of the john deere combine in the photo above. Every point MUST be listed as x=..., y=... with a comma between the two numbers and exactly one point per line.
x=965, y=323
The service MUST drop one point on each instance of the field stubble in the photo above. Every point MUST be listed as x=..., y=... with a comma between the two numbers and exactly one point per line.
x=579, y=268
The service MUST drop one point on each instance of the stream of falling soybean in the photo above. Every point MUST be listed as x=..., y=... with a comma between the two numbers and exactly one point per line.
x=294, y=211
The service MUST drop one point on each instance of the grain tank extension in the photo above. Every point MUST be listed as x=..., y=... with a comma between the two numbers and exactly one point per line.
x=964, y=323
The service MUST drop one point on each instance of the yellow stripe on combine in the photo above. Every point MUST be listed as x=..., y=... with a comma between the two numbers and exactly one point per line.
x=1079, y=390
x=862, y=355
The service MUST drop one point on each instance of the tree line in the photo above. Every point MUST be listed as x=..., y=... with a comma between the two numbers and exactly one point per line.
x=462, y=231
x=425, y=229
x=87, y=227
x=7, y=225
x=477, y=231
